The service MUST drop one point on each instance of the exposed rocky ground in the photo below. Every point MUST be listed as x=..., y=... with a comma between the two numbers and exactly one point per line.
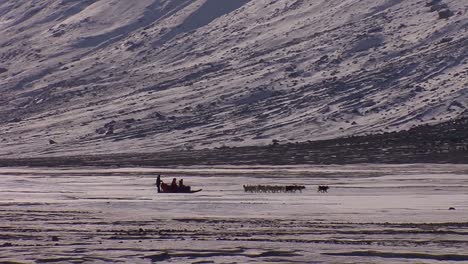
x=109, y=76
x=442, y=143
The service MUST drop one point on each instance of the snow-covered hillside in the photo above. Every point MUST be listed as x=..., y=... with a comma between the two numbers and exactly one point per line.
x=100, y=76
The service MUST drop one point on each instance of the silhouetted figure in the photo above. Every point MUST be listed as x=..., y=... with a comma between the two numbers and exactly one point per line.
x=174, y=185
x=182, y=187
x=158, y=183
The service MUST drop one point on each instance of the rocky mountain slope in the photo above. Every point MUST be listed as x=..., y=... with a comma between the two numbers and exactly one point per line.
x=109, y=76
x=442, y=143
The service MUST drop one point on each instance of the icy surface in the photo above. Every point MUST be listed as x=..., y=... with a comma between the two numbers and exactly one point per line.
x=115, y=76
x=372, y=214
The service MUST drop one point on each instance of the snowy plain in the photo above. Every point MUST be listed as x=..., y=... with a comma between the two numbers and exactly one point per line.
x=372, y=214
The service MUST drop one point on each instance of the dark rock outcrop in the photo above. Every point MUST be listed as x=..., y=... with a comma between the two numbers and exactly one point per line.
x=433, y=2
x=445, y=13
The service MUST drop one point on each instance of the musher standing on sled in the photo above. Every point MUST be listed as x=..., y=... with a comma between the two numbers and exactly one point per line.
x=158, y=183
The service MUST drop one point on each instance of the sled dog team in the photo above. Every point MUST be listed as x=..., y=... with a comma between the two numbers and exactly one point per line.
x=178, y=188
x=280, y=188
x=273, y=188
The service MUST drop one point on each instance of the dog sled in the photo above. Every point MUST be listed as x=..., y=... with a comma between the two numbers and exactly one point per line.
x=174, y=188
x=178, y=190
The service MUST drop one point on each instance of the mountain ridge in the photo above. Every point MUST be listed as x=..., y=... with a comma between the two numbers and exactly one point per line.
x=164, y=75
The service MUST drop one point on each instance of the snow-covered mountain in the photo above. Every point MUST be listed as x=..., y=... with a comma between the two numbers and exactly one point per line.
x=103, y=76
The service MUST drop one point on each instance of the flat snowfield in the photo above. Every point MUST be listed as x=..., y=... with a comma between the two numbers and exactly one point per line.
x=371, y=214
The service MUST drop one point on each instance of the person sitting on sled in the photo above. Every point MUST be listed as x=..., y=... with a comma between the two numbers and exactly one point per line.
x=174, y=185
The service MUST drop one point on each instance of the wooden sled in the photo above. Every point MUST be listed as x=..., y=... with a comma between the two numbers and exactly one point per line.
x=194, y=191
x=186, y=189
